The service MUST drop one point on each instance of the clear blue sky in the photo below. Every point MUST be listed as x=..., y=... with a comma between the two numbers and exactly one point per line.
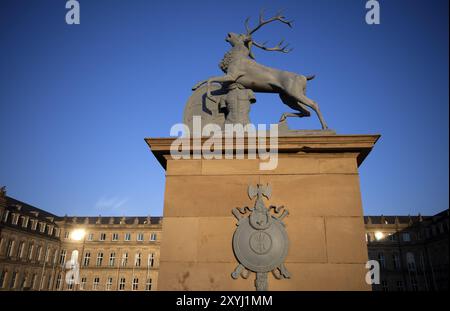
x=77, y=101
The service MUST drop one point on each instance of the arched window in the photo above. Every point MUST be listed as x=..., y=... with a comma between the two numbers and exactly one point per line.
x=74, y=258
x=411, y=261
x=3, y=275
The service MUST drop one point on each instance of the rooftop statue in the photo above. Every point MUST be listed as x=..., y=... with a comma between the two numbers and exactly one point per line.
x=243, y=73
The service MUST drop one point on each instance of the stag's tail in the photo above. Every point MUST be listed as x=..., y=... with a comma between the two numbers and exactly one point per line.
x=310, y=77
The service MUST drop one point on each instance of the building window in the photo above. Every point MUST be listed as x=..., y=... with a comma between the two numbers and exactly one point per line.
x=20, y=250
x=71, y=282
x=414, y=286
x=49, y=282
x=57, y=232
x=5, y=216
x=135, y=284
x=406, y=237
x=96, y=283
x=42, y=227
x=140, y=237
x=392, y=237
x=411, y=261
x=90, y=237
x=48, y=254
x=137, y=259
x=384, y=286
x=15, y=219
x=381, y=260
x=33, y=281
x=3, y=278
x=400, y=286
x=83, y=283
x=124, y=259
x=66, y=234
x=55, y=257
x=396, y=260
x=50, y=230
x=151, y=260
x=30, y=252
x=115, y=236
x=109, y=283
x=9, y=249
x=58, y=282
x=24, y=221
x=153, y=237
x=102, y=236
x=34, y=223
x=127, y=236
x=99, y=259
x=62, y=257
x=148, y=284
x=112, y=259
x=39, y=253
x=24, y=281
x=422, y=261
x=12, y=283
x=122, y=284
x=433, y=229
x=87, y=259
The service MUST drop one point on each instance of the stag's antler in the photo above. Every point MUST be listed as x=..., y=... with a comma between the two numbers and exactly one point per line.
x=278, y=48
x=262, y=22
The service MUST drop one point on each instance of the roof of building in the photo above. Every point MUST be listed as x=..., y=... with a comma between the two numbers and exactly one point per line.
x=401, y=219
x=28, y=209
x=32, y=211
x=112, y=220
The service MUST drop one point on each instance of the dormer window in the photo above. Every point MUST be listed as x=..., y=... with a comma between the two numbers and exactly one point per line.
x=25, y=221
x=34, y=223
x=42, y=227
x=5, y=216
x=15, y=218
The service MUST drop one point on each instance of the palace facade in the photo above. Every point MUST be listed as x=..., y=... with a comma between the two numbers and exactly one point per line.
x=412, y=251
x=43, y=251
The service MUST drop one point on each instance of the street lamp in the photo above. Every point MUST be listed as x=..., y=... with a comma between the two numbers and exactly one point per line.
x=79, y=235
x=379, y=235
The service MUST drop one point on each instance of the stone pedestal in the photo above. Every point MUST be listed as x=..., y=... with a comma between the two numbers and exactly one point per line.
x=316, y=179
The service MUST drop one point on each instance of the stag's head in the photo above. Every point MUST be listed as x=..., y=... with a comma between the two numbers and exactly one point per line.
x=247, y=40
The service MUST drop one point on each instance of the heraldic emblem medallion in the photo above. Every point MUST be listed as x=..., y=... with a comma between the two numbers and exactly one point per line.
x=260, y=242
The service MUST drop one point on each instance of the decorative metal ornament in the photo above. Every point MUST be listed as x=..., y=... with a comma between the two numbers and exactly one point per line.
x=260, y=242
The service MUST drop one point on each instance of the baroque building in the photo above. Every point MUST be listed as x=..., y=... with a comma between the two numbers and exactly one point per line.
x=412, y=252
x=43, y=251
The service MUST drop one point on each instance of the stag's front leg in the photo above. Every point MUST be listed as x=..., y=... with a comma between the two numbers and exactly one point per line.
x=219, y=79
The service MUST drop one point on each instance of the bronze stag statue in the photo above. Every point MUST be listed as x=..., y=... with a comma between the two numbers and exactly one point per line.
x=240, y=68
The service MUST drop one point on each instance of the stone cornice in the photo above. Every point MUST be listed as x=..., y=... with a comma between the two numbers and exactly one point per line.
x=359, y=144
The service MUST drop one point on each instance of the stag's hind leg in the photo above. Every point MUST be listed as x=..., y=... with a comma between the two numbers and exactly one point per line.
x=310, y=103
x=292, y=103
x=302, y=99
